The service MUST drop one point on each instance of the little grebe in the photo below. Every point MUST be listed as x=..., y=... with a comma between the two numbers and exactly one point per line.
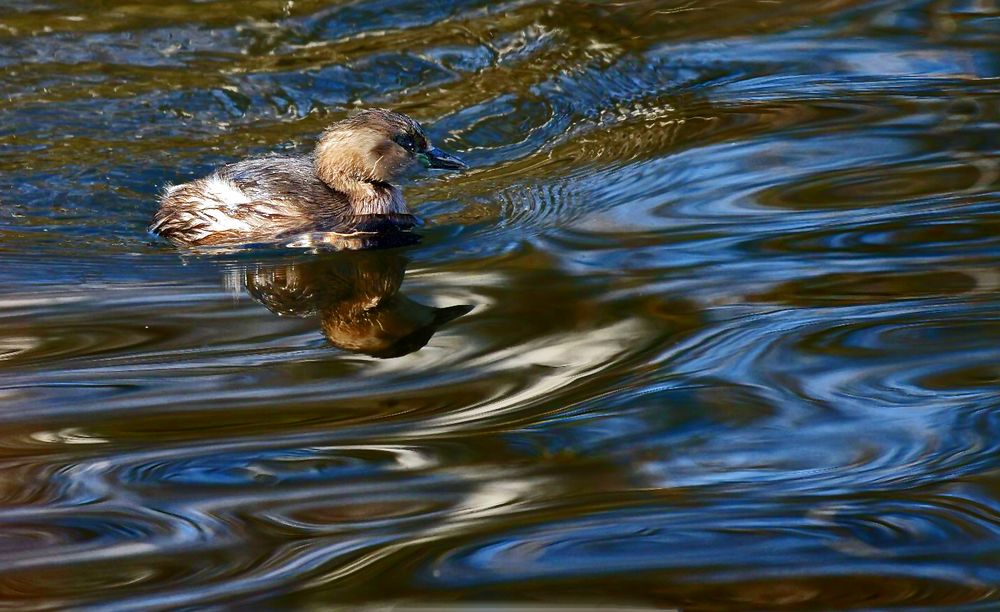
x=344, y=187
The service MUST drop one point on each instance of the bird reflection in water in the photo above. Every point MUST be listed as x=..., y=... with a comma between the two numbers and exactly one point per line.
x=356, y=296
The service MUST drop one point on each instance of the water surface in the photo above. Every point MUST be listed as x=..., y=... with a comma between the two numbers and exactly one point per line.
x=713, y=322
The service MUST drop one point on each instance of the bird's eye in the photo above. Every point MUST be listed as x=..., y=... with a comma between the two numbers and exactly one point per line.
x=404, y=140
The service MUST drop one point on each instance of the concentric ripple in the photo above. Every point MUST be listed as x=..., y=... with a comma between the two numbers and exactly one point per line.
x=712, y=322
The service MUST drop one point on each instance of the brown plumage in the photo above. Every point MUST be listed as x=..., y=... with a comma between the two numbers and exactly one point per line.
x=345, y=187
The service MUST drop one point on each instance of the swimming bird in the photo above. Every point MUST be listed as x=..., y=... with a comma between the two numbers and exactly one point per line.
x=344, y=188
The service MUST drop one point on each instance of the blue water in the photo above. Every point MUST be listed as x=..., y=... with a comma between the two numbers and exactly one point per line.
x=713, y=322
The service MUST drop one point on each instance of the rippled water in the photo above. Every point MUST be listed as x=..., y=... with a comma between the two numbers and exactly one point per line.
x=713, y=321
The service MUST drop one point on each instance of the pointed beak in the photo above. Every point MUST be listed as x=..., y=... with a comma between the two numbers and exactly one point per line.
x=436, y=158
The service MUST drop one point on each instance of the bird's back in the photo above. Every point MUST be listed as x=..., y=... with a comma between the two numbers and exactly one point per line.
x=255, y=200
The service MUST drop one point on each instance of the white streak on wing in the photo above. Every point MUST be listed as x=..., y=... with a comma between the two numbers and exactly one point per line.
x=222, y=222
x=220, y=202
x=225, y=192
x=264, y=209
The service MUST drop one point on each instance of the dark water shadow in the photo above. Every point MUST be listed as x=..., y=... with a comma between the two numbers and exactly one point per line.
x=356, y=298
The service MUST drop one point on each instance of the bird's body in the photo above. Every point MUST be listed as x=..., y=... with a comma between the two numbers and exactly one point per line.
x=344, y=187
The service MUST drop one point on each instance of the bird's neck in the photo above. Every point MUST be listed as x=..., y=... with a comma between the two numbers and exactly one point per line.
x=365, y=197
x=369, y=198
